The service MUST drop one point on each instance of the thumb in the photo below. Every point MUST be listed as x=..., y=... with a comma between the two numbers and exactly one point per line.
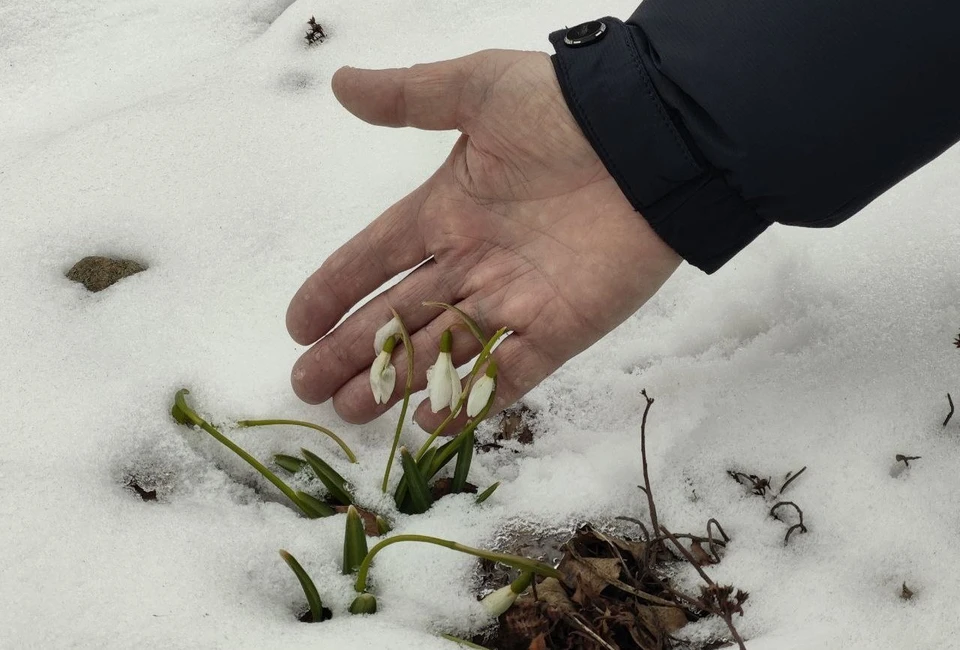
x=426, y=96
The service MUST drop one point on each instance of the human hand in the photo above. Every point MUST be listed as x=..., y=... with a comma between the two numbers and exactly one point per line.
x=521, y=227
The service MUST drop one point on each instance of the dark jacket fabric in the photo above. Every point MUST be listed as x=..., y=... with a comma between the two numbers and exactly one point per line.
x=718, y=118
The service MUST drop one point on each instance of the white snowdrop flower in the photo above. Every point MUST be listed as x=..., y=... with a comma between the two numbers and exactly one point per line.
x=482, y=390
x=383, y=376
x=443, y=382
x=389, y=331
x=499, y=601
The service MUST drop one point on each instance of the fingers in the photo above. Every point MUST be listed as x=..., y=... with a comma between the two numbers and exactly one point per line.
x=348, y=350
x=354, y=401
x=426, y=96
x=388, y=246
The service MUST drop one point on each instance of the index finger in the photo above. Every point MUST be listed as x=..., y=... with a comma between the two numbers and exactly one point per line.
x=390, y=245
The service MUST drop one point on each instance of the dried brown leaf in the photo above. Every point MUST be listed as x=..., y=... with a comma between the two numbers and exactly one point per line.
x=668, y=619
x=552, y=593
x=539, y=643
x=700, y=555
x=444, y=486
x=515, y=425
x=589, y=576
x=369, y=519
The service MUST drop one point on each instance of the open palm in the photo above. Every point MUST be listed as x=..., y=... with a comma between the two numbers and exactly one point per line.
x=521, y=227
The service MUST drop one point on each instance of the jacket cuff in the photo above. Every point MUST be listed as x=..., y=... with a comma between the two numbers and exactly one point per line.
x=609, y=91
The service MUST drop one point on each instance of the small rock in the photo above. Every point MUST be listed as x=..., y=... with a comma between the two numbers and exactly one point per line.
x=97, y=273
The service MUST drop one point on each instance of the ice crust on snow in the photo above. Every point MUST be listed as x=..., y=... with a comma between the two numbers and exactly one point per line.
x=202, y=138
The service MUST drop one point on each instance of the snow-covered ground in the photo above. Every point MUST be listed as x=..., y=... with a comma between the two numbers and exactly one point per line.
x=201, y=137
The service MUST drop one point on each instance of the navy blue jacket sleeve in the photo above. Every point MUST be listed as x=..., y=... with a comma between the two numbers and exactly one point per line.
x=718, y=118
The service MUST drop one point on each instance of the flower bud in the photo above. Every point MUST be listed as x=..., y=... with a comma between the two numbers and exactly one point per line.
x=502, y=599
x=443, y=382
x=365, y=603
x=482, y=391
x=383, y=376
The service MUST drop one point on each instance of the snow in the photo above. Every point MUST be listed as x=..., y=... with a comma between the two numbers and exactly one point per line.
x=201, y=138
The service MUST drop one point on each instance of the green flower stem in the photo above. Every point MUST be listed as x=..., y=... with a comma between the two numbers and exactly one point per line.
x=181, y=403
x=300, y=423
x=466, y=436
x=469, y=322
x=481, y=358
x=521, y=563
x=408, y=389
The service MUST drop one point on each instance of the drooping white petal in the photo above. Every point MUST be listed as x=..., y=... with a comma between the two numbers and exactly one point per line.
x=443, y=383
x=479, y=395
x=383, y=378
x=499, y=601
x=391, y=328
x=455, y=389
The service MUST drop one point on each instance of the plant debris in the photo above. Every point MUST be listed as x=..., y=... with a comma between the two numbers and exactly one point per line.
x=315, y=33
x=763, y=487
x=369, y=519
x=444, y=486
x=906, y=459
x=616, y=593
x=905, y=592
x=949, y=401
x=146, y=495
x=97, y=273
x=514, y=424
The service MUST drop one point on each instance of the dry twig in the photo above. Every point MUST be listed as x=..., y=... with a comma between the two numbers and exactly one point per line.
x=906, y=459
x=643, y=457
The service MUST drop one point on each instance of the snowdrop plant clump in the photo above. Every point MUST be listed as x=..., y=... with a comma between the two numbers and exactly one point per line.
x=412, y=493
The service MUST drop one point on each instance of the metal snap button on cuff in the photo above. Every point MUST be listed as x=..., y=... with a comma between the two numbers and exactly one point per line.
x=585, y=33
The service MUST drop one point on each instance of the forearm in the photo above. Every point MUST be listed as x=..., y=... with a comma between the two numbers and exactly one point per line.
x=719, y=118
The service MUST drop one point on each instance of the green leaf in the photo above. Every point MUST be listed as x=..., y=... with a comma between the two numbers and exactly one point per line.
x=483, y=496
x=317, y=507
x=401, y=495
x=420, y=497
x=290, y=463
x=335, y=484
x=464, y=458
x=309, y=589
x=446, y=452
x=354, y=542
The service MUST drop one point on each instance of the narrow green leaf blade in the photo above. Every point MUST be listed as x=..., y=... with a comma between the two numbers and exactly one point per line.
x=316, y=507
x=464, y=458
x=483, y=496
x=306, y=582
x=420, y=496
x=354, y=542
x=290, y=463
x=335, y=484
